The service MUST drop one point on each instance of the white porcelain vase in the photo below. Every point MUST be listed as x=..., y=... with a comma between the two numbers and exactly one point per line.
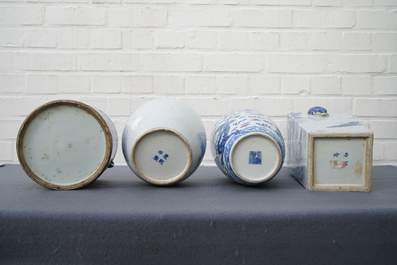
x=66, y=144
x=247, y=146
x=164, y=141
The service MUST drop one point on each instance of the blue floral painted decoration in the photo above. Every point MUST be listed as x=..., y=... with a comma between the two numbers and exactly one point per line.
x=235, y=125
x=317, y=111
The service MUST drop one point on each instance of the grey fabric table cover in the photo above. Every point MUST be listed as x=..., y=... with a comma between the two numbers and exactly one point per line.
x=206, y=219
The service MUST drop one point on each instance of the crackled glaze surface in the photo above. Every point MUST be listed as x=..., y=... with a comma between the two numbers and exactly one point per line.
x=164, y=141
x=247, y=146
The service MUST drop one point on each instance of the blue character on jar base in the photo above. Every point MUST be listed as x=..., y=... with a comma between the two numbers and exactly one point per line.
x=255, y=158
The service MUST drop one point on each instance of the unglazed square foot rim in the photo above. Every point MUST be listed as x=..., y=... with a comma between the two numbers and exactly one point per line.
x=368, y=137
x=141, y=169
x=83, y=181
x=270, y=173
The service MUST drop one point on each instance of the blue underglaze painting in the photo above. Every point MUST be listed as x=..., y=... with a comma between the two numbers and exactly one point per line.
x=160, y=158
x=317, y=111
x=255, y=158
x=235, y=125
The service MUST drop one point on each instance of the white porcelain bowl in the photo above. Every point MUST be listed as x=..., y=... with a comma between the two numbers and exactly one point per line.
x=66, y=144
x=164, y=141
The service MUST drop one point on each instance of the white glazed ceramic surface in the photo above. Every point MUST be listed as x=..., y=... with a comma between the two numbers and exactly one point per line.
x=329, y=151
x=247, y=146
x=164, y=141
x=66, y=144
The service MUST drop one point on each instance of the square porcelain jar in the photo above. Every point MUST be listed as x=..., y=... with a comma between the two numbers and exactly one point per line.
x=329, y=151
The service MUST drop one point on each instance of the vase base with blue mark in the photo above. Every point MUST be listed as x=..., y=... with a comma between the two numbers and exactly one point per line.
x=247, y=147
x=164, y=141
x=161, y=156
x=255, y=158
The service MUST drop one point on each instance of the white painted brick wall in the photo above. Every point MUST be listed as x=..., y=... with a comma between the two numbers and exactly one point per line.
x=276, y=56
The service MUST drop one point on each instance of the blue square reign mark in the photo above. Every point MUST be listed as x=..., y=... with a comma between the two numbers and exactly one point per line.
x=255, y=158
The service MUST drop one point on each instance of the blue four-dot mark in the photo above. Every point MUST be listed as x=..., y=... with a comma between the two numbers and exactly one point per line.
x=160, y=158
x=255, y=158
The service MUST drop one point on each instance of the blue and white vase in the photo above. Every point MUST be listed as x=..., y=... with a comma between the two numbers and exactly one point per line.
x=164, y=141
x=247, y=146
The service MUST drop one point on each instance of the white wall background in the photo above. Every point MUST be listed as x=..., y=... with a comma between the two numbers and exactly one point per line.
x=276, y=56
